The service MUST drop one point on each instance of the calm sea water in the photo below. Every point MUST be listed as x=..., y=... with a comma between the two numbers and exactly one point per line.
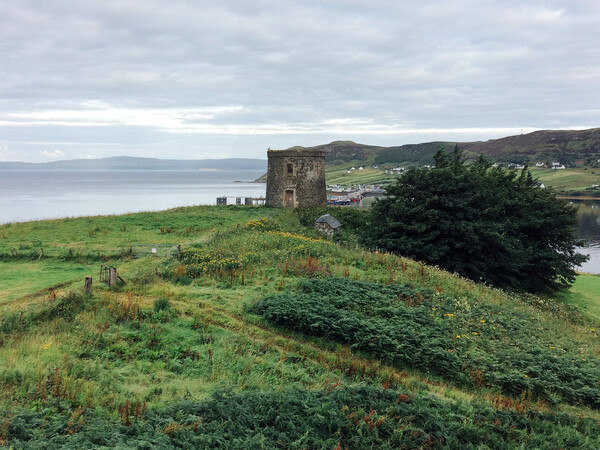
x=33, y=195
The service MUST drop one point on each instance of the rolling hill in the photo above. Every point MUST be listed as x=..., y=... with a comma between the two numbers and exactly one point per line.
x=571, y=148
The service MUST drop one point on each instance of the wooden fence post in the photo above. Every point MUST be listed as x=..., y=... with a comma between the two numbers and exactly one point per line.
x=87, y=288
x=112, y=276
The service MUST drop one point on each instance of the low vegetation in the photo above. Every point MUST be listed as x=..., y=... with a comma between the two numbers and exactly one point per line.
x=257, y=332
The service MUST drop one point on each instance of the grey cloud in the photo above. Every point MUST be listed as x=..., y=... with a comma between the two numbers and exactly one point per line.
x=292, y=65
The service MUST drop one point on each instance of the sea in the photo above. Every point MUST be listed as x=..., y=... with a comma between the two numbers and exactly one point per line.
x=35, y=195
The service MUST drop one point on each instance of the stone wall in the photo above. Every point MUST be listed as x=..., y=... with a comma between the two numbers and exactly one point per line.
x=296, y=178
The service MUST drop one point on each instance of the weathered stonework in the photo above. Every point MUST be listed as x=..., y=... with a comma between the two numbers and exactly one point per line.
x=296, y=178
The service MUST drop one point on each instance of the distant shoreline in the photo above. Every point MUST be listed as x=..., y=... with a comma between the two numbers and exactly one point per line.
x=577, y=198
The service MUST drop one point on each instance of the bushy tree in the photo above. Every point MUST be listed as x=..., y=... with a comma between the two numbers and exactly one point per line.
x=485, y=223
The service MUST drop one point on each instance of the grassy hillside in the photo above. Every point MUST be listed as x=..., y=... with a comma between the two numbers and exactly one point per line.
x=579, y=151
x=571, y=181
x=576, y=182
x=261, y=333
x=569, y=147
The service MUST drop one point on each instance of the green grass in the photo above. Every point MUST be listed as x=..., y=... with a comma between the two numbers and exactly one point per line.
x=21, y=278
x=76, y=364
x=568, y=180
x=585, y=295
x=337, y=175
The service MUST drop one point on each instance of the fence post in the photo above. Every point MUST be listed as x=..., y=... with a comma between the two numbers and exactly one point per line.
x=87, y=288
x=112, y=276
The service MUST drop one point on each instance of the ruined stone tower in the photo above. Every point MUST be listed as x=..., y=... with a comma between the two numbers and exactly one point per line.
x=296, y=178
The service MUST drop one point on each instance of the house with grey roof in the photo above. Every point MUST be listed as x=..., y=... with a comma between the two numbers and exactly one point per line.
x=327, y=224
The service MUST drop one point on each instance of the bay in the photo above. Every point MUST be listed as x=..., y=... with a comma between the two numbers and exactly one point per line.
x=35, y=195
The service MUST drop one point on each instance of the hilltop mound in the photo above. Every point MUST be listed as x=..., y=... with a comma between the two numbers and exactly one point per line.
x=249, y=329
x=569, y=147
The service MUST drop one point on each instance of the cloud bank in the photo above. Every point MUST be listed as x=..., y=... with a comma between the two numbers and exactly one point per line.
x=198, y=79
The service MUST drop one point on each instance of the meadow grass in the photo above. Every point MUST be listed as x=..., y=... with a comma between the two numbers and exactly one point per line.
x=338, y=175
x=585, y=295
x=564, y=181
x=182, y=328
x=568, y=179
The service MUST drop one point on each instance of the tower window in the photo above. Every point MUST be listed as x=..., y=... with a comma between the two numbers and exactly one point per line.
x=290, y=169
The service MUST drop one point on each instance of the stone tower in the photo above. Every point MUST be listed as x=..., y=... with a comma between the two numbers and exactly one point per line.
x=296, y=178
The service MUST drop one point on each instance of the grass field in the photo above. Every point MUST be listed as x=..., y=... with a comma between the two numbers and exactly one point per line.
x=567, y=181
x=263, y=334
x=570, y=179
x=585, y=294
x=337, y=175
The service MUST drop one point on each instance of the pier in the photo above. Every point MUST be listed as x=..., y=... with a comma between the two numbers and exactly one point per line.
x=247, y=201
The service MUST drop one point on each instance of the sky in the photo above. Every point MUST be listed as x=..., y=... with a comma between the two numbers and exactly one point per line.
x=231, y=78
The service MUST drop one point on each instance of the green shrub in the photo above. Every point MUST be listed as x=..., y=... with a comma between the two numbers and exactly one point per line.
x=161, y=303
x=356, y=417
x=466, y=342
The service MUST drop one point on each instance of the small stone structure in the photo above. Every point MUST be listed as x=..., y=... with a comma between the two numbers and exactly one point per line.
x=296, y=178
x=327, y=224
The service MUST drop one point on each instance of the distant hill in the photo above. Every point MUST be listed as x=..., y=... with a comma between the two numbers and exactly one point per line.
x=571, y=148
x=133, y=163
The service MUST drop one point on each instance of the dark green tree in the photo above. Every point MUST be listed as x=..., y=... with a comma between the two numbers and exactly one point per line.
x=485, y=223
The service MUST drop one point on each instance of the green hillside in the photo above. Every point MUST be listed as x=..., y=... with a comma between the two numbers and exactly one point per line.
x=572, y=148
x=260, y=333
x=579, y=151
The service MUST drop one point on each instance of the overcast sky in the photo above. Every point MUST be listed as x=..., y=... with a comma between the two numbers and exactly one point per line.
x=198, y=79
